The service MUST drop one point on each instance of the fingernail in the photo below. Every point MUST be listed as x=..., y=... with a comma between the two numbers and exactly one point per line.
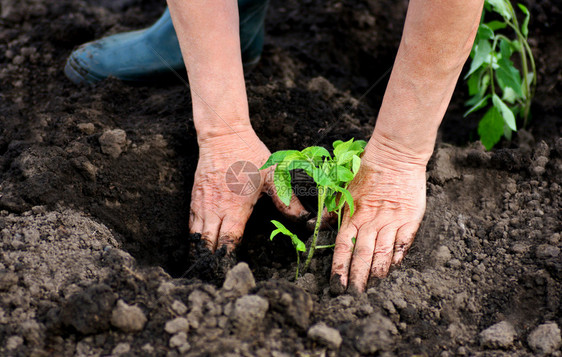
x=397, y=260
x=310, y=224
x=304, y=216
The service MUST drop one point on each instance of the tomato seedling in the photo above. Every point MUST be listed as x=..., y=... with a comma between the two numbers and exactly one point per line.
x=492, y=73
x=297, y=243
x=331, y=174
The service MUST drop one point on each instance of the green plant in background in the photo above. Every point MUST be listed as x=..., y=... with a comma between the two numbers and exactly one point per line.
x=331, y=174
x=493, y=76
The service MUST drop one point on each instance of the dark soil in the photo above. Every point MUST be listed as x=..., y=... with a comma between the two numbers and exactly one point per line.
x=81, y=230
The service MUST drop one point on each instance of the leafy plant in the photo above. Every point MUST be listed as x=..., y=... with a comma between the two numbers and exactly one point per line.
x=492, y=73
x=297, y=243
x=331, y=174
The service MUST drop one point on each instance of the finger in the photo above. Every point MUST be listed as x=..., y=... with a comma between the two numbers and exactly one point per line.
x=404, y=239
x=328, y=219
x=231, y=232
x=384, y=248
x=195, y=222
x=294, y=211
x=362, y=258
x=210, y=232
x=343, y=250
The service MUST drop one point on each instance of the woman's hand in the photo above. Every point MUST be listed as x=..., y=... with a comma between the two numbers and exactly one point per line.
x=227, y=186
x=389, y=196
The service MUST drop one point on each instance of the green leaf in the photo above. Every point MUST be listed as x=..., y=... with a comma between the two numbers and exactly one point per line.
x=485, y=82
x=274, y=233
x=506, y=113
x=344, y=151
x=496, y=25
x=516, y=46
x=343, y=174
x=336, y=143
x=490, y=128
x=305, y=165
x=281, y=227
x=356, y=163
x=509, y=77
x=484, y=31
x=282, y=181
x=358, y=145
x=330, y=203
x=507, y=132
x=525, y=24
x=482, y=50
x=473, y=82
x=345, y=157
x=501, y=8
x=346, y=195
x=314, y=152
x=343, y=147
x=277, y=157
x=318, y=175
x=321, y=177
x=509, y=95
x=505, y=51
x=297, y=243
x=294, y=156
x=481, y=104
x=506, y=74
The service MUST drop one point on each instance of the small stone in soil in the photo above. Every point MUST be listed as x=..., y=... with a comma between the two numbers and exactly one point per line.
x=373, y=334
x=113, y=142
x=176, y=325
x=545, y=251
x=127, y=318
x=179, y=307
x=86, y=128
x=325, y=335
x=89, y=311
x=500, y=335
x=248, y=312
x=148, y=348
x=121, y=348
x=14, y=342
x=178, y=340
x=442, y=255
x=7, y=279
x=545, y=338
x=309, y=283
x=239, y=281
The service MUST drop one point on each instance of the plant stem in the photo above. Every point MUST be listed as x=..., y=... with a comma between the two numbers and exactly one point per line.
x=321, y=199
x=491, y=68
x=298, y=264
x=525, y=50
x=339, y=218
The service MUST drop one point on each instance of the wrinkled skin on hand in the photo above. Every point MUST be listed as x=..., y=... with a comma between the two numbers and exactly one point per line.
x=389, y=195
x=218, y=213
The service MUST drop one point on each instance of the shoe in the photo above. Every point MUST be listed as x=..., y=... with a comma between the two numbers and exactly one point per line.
x=148, y=55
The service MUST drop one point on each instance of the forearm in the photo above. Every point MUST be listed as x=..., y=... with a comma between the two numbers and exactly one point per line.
x=437, y=38
x=208, y=33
